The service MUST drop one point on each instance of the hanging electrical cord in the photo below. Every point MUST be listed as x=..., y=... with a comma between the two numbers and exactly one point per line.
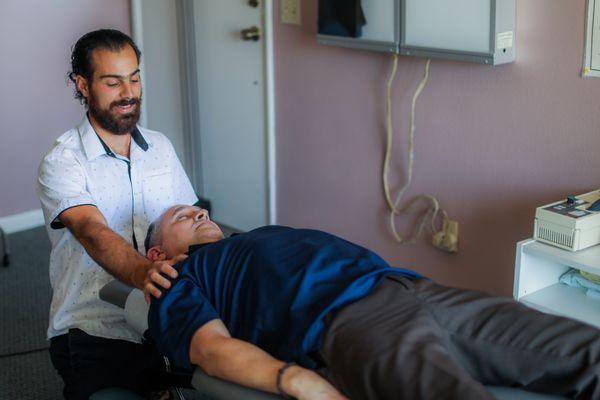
x=446, y=238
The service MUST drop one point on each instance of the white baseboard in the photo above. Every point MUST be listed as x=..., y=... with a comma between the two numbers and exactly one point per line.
x=22, y=221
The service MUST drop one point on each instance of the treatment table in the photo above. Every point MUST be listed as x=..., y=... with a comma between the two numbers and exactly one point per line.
x=136, y=314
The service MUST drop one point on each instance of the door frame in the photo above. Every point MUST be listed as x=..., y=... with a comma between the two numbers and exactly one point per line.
x=191, y=121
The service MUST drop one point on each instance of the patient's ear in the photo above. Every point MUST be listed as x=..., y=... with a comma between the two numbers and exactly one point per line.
x=156, y=253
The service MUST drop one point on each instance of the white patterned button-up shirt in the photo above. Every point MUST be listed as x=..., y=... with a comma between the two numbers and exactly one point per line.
x=80, y=169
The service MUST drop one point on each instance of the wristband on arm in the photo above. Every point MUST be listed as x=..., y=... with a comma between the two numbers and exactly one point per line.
x=282, y=392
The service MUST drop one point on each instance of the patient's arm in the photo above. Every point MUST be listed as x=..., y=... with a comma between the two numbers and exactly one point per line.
x=111, y=251
x=220, y=355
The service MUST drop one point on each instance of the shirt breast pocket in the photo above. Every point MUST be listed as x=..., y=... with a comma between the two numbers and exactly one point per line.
x=157, y=191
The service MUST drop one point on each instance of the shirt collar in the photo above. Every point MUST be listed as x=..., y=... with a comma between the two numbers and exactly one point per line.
x=139, y=139
x=195, y=247
x=94, y=146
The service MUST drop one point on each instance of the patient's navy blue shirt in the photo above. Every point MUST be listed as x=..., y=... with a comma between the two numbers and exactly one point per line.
x=272, y=287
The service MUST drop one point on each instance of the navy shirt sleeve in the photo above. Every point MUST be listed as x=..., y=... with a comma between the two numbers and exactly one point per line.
x=174, y=319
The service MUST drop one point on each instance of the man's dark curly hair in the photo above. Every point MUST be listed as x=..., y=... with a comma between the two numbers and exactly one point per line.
x=81, y=55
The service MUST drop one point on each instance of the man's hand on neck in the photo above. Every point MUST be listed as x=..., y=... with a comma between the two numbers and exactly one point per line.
x=156, y=276
x=120, y=144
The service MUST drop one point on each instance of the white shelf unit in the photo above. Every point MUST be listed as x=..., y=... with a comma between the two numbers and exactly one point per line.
x=538, y=267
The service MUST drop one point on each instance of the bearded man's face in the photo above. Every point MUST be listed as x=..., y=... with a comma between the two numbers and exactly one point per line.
x=114, y=95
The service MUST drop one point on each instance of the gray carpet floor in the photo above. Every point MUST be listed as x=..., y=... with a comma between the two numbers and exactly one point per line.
x=25, y=368
x=26, y=372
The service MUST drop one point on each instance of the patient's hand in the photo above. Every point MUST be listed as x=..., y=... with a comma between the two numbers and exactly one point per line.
x=155, y=276
x=304, y=384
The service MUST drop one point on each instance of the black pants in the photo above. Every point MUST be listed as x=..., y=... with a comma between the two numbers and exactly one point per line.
x=419, y=340
x=88, y=363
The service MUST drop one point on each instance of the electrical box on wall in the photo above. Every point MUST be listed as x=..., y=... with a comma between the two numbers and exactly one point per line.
x=481, y=31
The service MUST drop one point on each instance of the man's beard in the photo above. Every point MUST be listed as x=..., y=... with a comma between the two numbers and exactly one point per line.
x=112, y=121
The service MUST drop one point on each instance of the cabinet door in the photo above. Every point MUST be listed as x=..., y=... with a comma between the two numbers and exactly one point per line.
x=458, y=25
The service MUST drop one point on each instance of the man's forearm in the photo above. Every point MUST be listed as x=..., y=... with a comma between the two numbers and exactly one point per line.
x=114, y=254
x=240, y=362
x=243, y=363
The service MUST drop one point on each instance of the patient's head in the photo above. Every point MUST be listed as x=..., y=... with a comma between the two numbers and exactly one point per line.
x=177, y=229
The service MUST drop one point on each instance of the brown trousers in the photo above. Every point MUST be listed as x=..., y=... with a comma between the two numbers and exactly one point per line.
x=418, y=340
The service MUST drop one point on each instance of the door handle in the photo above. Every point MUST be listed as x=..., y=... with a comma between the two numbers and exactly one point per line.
x=252, y=33
x=254, y=3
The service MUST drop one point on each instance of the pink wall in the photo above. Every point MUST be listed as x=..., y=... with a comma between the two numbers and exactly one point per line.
x=36, y=105
x=492, y=143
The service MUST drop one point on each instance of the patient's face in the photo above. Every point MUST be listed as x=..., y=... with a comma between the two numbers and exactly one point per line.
x=183, y=226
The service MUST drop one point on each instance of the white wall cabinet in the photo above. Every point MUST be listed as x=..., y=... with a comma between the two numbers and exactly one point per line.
x=480, y=31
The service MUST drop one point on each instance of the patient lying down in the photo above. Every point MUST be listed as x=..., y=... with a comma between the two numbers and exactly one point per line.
x=312, y=316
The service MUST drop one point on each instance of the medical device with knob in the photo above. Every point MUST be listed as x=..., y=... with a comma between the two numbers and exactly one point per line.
x=572, y=224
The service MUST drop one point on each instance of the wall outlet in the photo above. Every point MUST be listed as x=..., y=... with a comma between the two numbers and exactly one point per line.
x=290, y=12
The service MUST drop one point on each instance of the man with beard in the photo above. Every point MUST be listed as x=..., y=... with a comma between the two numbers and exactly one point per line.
x=105, y=180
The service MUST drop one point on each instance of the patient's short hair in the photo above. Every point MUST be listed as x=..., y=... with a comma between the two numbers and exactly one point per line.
x=151, y=236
